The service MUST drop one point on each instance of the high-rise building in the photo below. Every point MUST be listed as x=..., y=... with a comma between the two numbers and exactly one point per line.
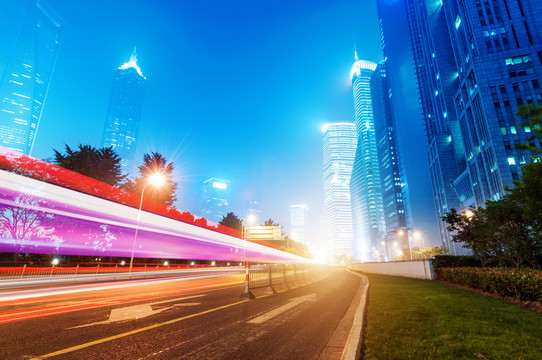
x=124, y=110
x=339, y=148
x=395, y=197
x=497, y=48
x=299, y=223
x=25, y=82
x=437, y=79
x=398, y=51
x=476, y=62
x=216, y=199
x=365, y=190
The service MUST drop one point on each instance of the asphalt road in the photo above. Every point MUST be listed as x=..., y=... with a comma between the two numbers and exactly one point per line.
x=199, y=318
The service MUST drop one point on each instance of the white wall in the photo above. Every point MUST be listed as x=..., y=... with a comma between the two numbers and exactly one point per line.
x=419, y=269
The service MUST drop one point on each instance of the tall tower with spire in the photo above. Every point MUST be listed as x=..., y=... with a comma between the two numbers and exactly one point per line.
x=124, y=110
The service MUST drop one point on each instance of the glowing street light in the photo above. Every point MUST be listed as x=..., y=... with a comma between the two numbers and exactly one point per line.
x=251, y=219
x=156, y=179
x=55, y=262
x=469, y=214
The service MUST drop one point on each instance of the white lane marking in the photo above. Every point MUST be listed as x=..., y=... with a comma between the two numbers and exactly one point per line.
x=293, y=303
x=135, y=312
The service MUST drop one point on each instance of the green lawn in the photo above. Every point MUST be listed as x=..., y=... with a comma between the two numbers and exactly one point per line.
x=422, y=319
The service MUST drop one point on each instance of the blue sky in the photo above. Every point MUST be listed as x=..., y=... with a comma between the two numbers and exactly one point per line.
x=237, y=90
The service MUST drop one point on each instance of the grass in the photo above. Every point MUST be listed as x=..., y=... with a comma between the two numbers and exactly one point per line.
x=421, y=319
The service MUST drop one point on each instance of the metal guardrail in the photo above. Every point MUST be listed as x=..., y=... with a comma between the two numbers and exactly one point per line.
x=271, y=275
x=28, y=272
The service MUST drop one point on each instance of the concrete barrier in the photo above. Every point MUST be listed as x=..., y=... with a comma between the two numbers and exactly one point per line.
x=419, y=269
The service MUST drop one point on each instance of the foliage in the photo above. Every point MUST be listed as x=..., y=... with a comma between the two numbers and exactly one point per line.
x=522, y=284
x=154, y=163
x=100, y=164
x=420, y=319
x=441, y=261
x=232, y=221
x=419, y=254
x=533, y=114
x=270, y=222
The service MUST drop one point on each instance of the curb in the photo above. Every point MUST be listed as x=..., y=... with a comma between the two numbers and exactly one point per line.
x=352, y=349
x=346, y=341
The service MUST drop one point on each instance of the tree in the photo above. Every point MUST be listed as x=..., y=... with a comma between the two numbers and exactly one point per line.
x=100, y=164
x=270, y=222
x=232, y=221
x=152, y=164
x=533, y=114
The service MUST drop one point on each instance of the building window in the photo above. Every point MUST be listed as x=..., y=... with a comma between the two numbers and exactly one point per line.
x=511, y=161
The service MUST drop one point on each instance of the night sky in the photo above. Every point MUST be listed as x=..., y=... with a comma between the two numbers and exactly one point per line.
x=237, y=90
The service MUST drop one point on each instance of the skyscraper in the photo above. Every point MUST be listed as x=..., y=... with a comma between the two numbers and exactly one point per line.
x=339, y=148
x=497, y=48
x=437, y=78
x=395, y=195
x=124, y=110
x=216, y=199
x=476, y=62
x=365, y=190
x=25, y=82
x=299, y=223
x=398, y=49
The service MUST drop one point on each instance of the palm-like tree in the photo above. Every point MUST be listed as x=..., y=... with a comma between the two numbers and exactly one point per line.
x=155, y=163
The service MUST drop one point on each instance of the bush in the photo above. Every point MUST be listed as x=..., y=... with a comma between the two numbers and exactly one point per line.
x=441, y=261
x=522, y=284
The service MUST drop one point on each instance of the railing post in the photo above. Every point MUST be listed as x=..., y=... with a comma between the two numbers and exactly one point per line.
x=247, y=295
x=76, y=269
x=270, y=289
x=52, y=269
x=22, y=271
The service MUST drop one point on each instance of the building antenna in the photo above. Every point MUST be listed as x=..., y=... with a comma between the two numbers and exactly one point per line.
x=355, y=51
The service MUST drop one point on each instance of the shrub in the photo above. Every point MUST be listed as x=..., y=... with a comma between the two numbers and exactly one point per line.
x=441, y=261
x=522, y=284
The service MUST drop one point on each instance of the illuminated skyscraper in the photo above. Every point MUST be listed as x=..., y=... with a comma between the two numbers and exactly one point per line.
x=299, y=223
x=365, y=190
x=124, y=110
x=216, y=199
x=339, y=145
x=395, y=196
x=25, y=82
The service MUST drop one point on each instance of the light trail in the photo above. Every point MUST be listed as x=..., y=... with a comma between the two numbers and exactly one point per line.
x=70, y=305
x=51, y=219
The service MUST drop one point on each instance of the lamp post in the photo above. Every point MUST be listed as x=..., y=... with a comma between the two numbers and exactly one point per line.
x=155, y=180
x=251, y=219
x=401, y=232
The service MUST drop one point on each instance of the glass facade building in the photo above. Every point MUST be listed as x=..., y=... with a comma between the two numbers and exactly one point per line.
x=365, y=190
x=395, y=197
x=339, y=148
x=124, y=110
x=497, y=48
x=216, y=199
x=437, y=81
x=25, y=82
x=299, y=223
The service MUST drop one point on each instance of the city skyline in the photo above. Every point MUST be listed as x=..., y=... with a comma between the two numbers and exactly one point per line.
x=190, y=117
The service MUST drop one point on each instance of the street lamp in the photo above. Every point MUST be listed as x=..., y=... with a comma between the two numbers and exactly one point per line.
x=401, y=232
x=251, y=219
x=156, y=179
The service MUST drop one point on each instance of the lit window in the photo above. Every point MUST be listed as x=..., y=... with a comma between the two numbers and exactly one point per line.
x=457, y=21
x=511, y=161
x=513, y=130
